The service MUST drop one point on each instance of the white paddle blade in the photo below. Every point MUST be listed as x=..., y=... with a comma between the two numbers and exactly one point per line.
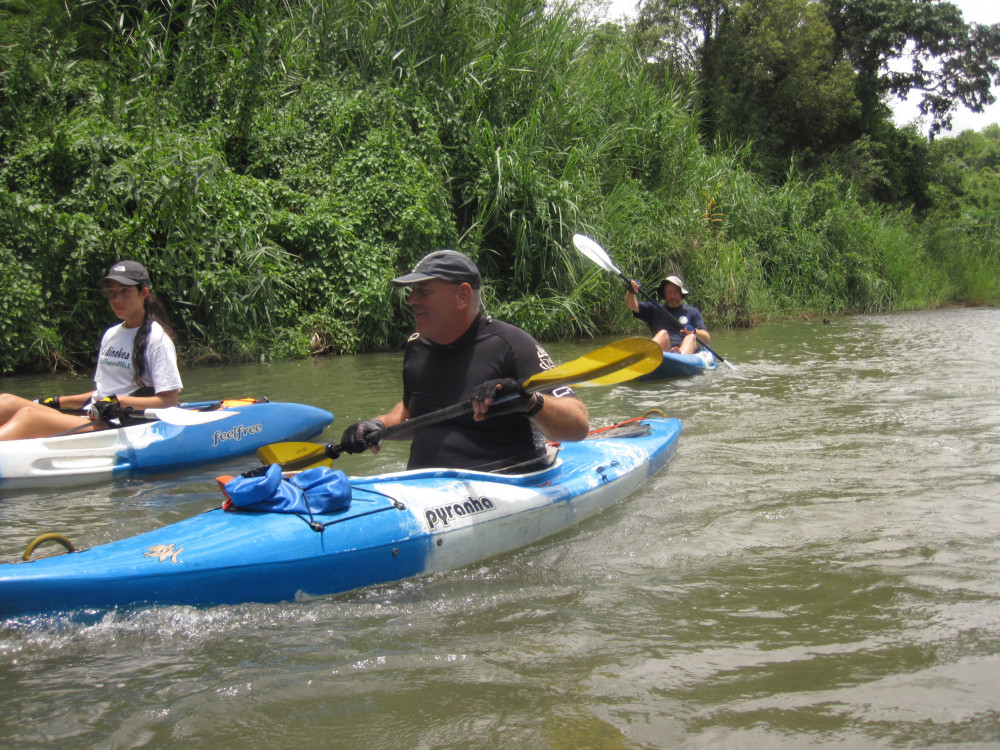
x=595, y=252
x=179, y=416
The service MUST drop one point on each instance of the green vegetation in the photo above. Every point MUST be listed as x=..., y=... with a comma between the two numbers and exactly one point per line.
x=275, y=162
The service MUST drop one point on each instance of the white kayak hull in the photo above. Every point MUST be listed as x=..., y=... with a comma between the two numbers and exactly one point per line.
x=154, y=446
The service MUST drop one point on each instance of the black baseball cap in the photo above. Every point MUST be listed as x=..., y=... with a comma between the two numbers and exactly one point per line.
x=127, y=272
x=447, y=265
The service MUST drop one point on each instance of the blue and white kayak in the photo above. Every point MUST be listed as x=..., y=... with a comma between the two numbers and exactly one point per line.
x=396, y=526
x=676, y=365
x=151, y=446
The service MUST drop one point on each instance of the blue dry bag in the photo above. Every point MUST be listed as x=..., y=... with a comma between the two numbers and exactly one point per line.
x=317, y=490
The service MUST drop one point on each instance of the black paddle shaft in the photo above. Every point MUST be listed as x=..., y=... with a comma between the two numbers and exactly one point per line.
x=333, y=450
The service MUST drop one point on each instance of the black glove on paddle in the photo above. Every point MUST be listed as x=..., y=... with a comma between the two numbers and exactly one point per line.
x=50, y=401
x=107, y=408
x=522, y=403
x=355, y=437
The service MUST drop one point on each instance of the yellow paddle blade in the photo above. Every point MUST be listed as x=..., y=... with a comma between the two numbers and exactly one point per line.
x=615, y=363
x=300, y=453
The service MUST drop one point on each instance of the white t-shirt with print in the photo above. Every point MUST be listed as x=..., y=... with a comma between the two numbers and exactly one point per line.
x=114, y=363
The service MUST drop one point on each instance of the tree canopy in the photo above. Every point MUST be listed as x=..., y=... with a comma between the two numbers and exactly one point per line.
x=813, y=79
x=901, y=47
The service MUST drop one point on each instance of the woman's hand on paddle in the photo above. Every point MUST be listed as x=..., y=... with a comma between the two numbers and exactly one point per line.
x=50, y=401
x=107, y=408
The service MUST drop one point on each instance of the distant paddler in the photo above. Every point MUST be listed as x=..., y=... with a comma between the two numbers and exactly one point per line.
x=680, y=328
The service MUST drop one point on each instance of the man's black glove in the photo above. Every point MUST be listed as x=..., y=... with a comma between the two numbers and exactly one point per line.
x=521, y=403
x=50, y=401
x=354, y=439
x=107, y=408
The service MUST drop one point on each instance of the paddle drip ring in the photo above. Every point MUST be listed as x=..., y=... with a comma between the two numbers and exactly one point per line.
x=47, y=538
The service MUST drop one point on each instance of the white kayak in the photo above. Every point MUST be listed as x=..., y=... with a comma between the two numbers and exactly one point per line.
x=174, y=438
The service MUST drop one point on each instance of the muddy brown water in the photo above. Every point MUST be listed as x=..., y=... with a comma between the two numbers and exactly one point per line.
x=818, y=566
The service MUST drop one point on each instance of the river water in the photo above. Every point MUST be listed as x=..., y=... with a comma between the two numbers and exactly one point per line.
x=817, y=566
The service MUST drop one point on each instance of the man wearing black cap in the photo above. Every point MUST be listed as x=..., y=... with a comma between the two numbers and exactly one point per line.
x=666, y=332
x=460, y=354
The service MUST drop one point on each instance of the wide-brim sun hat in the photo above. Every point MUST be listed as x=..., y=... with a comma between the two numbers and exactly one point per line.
x=676, y=281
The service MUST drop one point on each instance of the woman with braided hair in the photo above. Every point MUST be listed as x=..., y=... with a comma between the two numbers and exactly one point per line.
x=136, y=366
